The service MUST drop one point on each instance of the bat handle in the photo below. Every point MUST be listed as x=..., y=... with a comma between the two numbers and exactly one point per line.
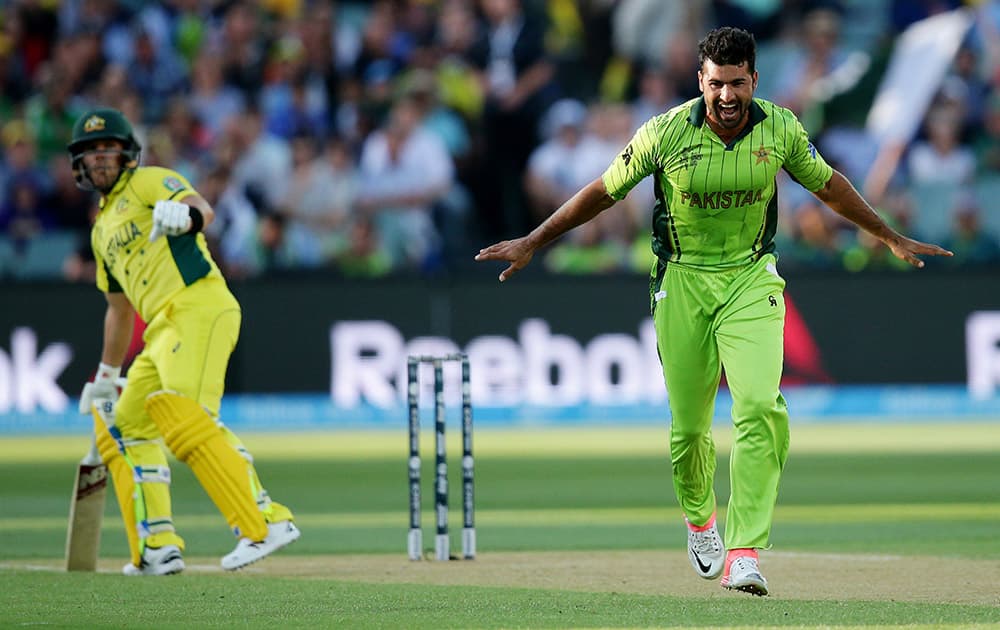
x=93, y=456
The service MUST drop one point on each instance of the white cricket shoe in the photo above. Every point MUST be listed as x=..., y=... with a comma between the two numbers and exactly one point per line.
x=743, y=574
x=705, y=549
x=248, y=551
x=165, y=560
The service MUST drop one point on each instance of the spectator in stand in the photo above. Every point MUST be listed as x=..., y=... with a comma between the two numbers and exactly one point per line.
x=271, y=251
x=156, y=73
x=817, y=55
x=422, y=87
x=212, y=101
x=519, y=82
x=815, y=243
x=383, y=43
x=973, y=246
x=453, y=214
x=241, y=46
x=318, y=202
x=560, y=165
x=987, y=141
x=941, y=158
x=293, y=102
x=21, y=159
x=458, y=81
x=318, y=32
x=364, y=256
x=642, y=27
x=51, y=112
x=405, y=171
x=263, y=162
x=191, y=141
x=970, y=89
x=233, y=234
x=34, y=27
x=80, y=56
x=23, y=216
x=657, y=93
x=70, y=207
x=188, y=27
x=13, y=83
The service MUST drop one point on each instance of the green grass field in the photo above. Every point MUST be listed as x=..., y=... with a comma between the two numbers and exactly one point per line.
x=875, y=526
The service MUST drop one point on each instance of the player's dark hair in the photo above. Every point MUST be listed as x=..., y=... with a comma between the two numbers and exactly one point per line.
x=728, y=46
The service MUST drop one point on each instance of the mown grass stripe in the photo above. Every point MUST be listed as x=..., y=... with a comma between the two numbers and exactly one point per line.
x=787, y=515
x=854, y=438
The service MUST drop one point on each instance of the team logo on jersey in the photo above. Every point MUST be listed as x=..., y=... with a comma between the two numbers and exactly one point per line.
x=812, y=150
x=688, y=158
x=627, y=155
x=172, y=184
x=121, y=206
x=762, y=155
x=94, y=123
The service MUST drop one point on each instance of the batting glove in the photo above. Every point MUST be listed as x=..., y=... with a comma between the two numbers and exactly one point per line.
x=106, y=386
x=170, y=218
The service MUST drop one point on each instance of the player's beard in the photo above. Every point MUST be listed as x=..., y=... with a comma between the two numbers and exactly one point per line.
x=104, y=176
x=729, y=120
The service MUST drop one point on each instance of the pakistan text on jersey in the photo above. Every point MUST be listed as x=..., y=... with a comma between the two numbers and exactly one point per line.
x=722, y=199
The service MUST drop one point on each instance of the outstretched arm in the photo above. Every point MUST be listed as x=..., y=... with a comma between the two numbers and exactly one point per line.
x=841, y=196
x=586, y=204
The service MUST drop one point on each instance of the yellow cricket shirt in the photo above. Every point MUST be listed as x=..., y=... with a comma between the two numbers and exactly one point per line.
x=148, y=273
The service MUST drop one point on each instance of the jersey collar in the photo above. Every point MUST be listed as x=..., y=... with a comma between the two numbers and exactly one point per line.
x=117, y=188
x=700, y=109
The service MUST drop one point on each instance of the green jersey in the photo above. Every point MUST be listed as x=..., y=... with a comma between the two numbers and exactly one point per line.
x=716, y=203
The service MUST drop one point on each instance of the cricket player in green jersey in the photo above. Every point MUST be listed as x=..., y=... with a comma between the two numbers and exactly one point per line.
x=716, y=295
x=152, y=259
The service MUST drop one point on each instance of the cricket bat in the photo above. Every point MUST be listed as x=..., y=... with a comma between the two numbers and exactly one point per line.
x=86, y=511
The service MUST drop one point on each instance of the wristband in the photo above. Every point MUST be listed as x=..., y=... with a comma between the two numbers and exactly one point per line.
x=197, y=221
x=105, y=371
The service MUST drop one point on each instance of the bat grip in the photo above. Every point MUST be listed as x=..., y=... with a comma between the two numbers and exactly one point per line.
x=93, y=456
x=86, y=399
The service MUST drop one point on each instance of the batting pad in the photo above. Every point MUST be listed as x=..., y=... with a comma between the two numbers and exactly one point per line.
x=124, y=482
x=195, y=439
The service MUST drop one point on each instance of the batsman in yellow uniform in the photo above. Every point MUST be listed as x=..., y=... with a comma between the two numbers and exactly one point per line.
x=716, y=294
x=152, y=259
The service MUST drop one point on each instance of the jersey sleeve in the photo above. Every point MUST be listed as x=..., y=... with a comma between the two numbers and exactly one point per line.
x=804, y=163
x=156, y=183
x=637, y=160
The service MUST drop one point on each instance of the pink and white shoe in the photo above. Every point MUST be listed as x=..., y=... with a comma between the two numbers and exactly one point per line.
x=743, y=573
x=705, y=549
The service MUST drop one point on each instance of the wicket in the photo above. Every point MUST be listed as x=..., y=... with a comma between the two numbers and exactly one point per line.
x=442, y=545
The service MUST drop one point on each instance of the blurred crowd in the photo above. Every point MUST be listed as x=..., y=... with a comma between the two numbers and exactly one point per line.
x=370, y=138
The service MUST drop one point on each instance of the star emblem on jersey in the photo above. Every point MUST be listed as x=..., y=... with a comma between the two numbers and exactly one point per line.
x=94, y=123
x=762, y=155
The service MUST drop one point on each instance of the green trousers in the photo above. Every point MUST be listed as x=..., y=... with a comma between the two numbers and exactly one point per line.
x=707, y=321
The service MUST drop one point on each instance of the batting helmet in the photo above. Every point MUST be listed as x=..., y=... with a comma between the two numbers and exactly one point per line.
x=101, y=124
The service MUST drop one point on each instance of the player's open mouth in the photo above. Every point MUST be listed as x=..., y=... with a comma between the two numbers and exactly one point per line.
x=729, y=112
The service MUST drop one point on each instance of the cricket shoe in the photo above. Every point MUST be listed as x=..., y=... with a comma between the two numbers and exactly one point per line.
x=248, y=551
x=743, y=573
x=705, y=549
x=165, y=560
